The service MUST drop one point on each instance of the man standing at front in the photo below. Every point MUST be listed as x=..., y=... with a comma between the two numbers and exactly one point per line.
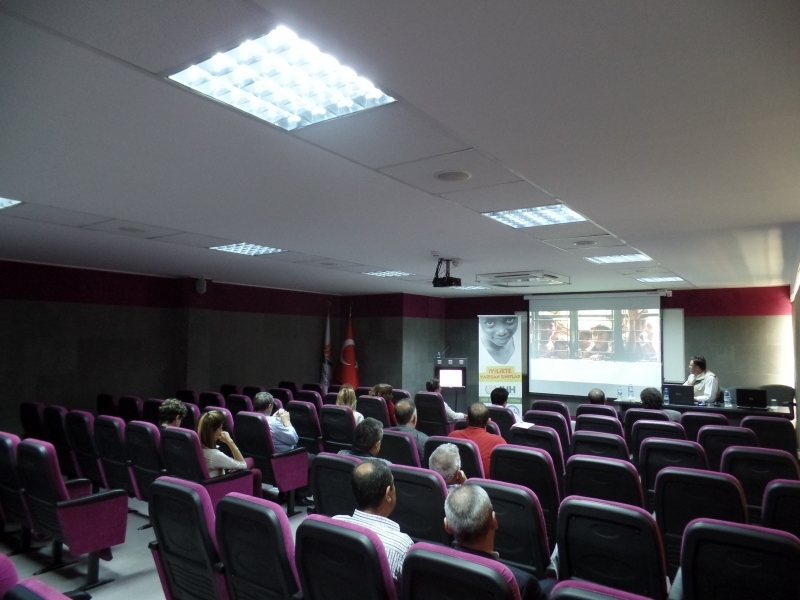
x=477, y=420
x=704, y=381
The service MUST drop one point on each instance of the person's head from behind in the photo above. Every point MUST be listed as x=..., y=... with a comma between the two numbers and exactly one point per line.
x=499, y=396
x=597, y=396
x=433, y=385
x=346, y=397
x=469, y=516
x=405, y=412
x=368, y=436
x=477, y=415
x=171, y=412
x=373, y=487
x=446, y=461
x=651, y=398
x=209, y=428
x=263, y=402
x=384, y=390
x=697, y=365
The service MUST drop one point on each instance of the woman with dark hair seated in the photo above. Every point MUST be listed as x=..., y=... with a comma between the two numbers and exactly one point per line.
x=210, y=431
x=384, y=390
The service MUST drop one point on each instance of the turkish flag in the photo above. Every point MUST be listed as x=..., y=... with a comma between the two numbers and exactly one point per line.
x=347, y=369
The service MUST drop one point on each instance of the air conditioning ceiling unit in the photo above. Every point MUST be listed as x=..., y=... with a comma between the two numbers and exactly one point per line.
x=522, y=279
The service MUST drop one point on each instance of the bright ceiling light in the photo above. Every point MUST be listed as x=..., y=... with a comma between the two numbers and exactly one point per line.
x=6, y=202
x=248, y=249
x=554, y=214
x=619, y=258
x=284, y=80
x=389, y=274
x=658, y=279
x=470, y=287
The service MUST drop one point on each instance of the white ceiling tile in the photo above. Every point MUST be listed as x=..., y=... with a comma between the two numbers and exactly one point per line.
x=131, y=229
x=565, y=230
x=330, y=263
x=506, y=196
x=292, y=257
x=196, y=239
x=51, y=214
x=639, y=271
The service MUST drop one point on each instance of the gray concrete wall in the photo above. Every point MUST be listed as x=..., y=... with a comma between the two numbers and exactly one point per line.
x=461, y=335
x=422, y=339
x=379, y=349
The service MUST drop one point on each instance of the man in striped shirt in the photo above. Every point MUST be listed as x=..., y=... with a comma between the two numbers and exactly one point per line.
x=373, y=486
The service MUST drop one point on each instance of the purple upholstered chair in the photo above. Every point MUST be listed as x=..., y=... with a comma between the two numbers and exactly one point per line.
x=363, y=390
x=306, y=423
x=334, y=388
x=211, y=399
x=227, y=423
x=31, y=415
x=107, y=404
x=282, y=394
x=715, y=439
x=130, y=408
x=504, y=418
x=596, y=409
x=556, y=421
x=143, y=447
x=289, y=385
x=237, y=403
x=585, y=590
x=150, y=409
x=638, y=414
x=773, y=432
x=69, y=513
x=27, y=589
x=288, y=471
x=693, y=421
x=183, y=459
x=226, y=389
x=109, y=433
x=375, y=407
x=185, y=550
x=314, y=387
x=398, y=394
x=187, y=396
x=251, y=390
x=553, y=406
x=429, y=569
x=543, y=438
x=605, y=479
x=249, y=527
x=643, y=429
x=330, y=398
x=468, y=451
x=329, y=552
x=55, y=426
x=13, y=503
x=191, y=418
x=599, y=423
x=656, y=454
x=338, y=428
x=331, y=482
x=80, y=429
x=8, y=574
x=419, y=508
x=311, y=396
x=779, y=511
x=399, y=448
x=593, y=443
x=432, y=414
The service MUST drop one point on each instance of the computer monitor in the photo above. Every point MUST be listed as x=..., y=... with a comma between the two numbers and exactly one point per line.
x=451, y=377
x=750, y=398
x=680, y=394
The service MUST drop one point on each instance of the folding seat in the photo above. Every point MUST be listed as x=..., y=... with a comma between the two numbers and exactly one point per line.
x=755, y=468
x=336, y=559
x=637, y=414
x=183, y=459
x=364, y=390
x=185, y=551
x=330, y=398
x=683, y=495
x=781, y=508
x=419, y=508
x=289, y=385
x=150, y=411
x=251, y=390
x=11, y=588
x=603, y=478
x=534, y=470
x=187, y=396
x=375, y=407
x=338, y=428
x=399, y=448
x=656, y=454
x=596, y=409
x=553, y=406
x=306, y=423
x=599, y=423
x=543, y=438
x=715, y=439
x=248, y=528
x=211, y=399
x=287, y=471
x=773, y=432
x=644, y=429
x=471, y=462
x=334, y=388
x=13, y=503
x=282, y=394
x=309, y=396
x=68, y=512
x=521, y=536
x=107, y=404
x=592, y=443
x=55, y=426
x=31, y=416
x=555, y=421
x=431, y=414
x=611, y=544
x=585, y=590
x=226, y=389
x=727, y=560
x=237, y=403
x=80, y=429
x=313, y=387
x=504, y=418
x=130, y=408
x=191, y=418
x=432, y=571
x=331, y=476
x=109, y=433
x=693, y=421
x=143, y=448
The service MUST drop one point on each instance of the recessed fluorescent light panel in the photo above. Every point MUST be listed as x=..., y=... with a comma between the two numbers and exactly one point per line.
x=659, y=279
x=6, y=202
x=470, y=287
x=248, y=249
x=554, y=214
x=284, y=80
x=389, y=274
x=619, y=258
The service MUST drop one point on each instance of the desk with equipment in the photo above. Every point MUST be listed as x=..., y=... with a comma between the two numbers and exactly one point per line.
x=734, y=412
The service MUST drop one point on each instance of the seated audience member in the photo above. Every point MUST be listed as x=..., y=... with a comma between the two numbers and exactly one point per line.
x=434, y=386
x=284, y=436
x=171, y=413
x=446, y=461
x=477, y=420
x=209, y=430
x=499, y=397
x=597, y=396
x=373, y=487
x=384, y=390
x=406, y=414
x=347, y=397
x=651, y=398
x=705, y=383
x=367, y=440
x=469, y=518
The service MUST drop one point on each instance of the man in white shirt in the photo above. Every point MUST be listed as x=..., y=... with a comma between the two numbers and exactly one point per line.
x=284, y=436
x=704, y=381
x=435, y=387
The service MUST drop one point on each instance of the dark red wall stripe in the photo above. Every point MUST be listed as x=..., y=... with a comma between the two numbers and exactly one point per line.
x=732, y=302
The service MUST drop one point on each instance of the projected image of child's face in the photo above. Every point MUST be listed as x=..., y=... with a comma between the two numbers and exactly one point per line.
x=499, y=330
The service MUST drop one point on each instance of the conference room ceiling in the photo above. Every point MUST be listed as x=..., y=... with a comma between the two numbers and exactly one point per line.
x=673, y=127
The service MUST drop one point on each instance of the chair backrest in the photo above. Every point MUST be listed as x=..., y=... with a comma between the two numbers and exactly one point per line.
x=555, y=421
x=544, y=438
x=693, y=421
x=611, y=544
x=596, y=409
x=637, y=414
x=431, y=414
x=186, y=396
x=399, y=448
x=592, y=443
x=772, y=432
x=80, y=429
x=107, y=405
x=330, y=398
x=683, y=495
x=727, y=560
x=237, y=403
x=784, y=394
x=338, y=427
x=375, y=407
x=12, y=498
x=55, y=427
x=150, y=410
x=432, y=571
x=211, y=399
x=143, y=445
x=334, y=388
x=313, y=387
x=254, y=439
x=363, y=390
x=185, y=528
x=603, y=478
x=226, y=389
x=599, y=423
x=420, y=504
x=283, y=394
x=331, y=483
x=644, y=429
x=755, y=468
x=306, y=424
x=183, y=454
x=398, y=394
x=521, y=536
x=251, y=390
x=779, y=511
x=330, y=552
x=553, y=406
x=248, y=528
x=504, y=418
x=228, y=423
x=716, y=438
x=192, y=417
x=468, y=451
x=656, y=454
x=585, y=590
x=290, y=385
x=533, y=469
x=109, y=434
x=311, y=396
x=37, y=464
x=130, y=408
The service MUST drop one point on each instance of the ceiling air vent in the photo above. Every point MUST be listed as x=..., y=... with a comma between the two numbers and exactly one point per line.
x=522, y=279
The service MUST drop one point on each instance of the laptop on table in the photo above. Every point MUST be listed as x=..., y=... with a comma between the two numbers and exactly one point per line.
x=747, y=398
x=680, y=394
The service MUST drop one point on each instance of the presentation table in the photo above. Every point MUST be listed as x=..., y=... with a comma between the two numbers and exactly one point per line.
x=734, y=412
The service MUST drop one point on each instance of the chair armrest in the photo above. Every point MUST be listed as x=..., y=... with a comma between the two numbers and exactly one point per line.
x=95, y=522
x=291, y=452
x=92, y=499
x=233, y=475
x=297, y=596
x=153, y=545
x=219, y=568
x=78, y=488
x=219, y=487
x=676, y=591
x=290, y=469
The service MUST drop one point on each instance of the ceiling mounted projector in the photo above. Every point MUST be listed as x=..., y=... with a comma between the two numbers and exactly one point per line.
x=446, y=281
